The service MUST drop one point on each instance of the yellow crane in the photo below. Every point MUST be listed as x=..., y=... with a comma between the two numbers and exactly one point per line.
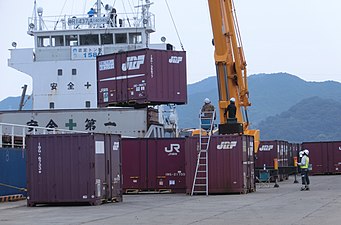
x=230, y=68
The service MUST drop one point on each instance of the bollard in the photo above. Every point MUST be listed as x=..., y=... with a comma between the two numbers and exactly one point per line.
x=296, y=170
x=276, y=172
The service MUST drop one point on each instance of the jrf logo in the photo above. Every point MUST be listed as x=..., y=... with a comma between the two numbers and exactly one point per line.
x=266, y=148
x=173, y=150
x=133, y=63
x=175, y=59
x=227, y=145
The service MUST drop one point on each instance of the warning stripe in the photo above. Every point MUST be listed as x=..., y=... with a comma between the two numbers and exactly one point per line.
x=11, y=198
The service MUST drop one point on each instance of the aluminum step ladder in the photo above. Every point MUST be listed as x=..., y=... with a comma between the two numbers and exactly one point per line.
x=200, y=182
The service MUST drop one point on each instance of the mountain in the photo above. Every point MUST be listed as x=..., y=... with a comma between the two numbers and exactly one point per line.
x=314, y=119
x=12, y=103
x=270, y=94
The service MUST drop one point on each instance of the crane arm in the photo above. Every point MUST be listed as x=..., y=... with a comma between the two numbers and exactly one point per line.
x=230, y=62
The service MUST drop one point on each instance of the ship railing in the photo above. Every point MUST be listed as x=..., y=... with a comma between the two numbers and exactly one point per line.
x=81, y=21
x=14, y=135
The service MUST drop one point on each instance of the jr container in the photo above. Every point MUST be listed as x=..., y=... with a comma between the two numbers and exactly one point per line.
x=73, y=168
x=325, y=157
x=141, y=77
x=230, y=164
x=153, y=164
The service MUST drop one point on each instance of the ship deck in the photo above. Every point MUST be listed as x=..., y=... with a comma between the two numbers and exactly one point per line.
x=284, y=205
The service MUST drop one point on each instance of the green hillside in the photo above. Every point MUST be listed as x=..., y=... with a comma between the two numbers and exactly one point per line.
x=312, y=119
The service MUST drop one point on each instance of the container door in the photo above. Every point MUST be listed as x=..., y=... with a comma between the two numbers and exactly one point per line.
x=114, y=167
x=134, y=164
x=191, y=154
x=334, y=157
x=101, y=175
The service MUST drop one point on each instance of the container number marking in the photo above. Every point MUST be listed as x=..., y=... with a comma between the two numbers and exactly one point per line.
x=39, y=159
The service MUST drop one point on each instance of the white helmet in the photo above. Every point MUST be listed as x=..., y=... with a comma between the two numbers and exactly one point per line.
x=207, y=100
x=232, y=99
x=306, y=151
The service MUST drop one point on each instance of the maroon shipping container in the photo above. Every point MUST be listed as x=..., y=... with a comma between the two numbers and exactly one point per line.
x=73, y=168
x=141, y=77
x=230, y=164
x=325, y=157
x=293, y=149
x=154, y=164
x=269, y=150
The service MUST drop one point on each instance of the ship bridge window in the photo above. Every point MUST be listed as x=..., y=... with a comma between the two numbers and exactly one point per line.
x=43, y=41
x=57, y=40
x=135, y=38
x=89, y=39
x=71, y=40
x=107, y=39
x=121, y=38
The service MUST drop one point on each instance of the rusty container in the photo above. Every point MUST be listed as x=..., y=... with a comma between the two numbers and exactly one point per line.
x=230, y=164
x=73, y=168
x=142, y=77
x=153, y=164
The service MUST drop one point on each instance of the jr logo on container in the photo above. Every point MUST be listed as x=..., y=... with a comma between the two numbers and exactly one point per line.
x=266, y=148
x=133, y=63
x=173, y=150
x=227, y=145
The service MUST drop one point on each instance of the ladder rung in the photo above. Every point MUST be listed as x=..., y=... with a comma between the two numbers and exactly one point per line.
x=202, y=164
x=200, y=185
x=201, y=171
x=202, y=158
x=199, y=191
x=201, y=178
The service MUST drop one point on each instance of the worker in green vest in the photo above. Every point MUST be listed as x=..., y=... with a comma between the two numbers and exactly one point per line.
x=304, y=165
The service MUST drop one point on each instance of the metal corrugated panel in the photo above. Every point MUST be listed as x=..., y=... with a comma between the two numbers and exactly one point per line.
x=325, y=157
x=268, y=150
x=12, y=171
x=318, y=156
x=334, y=156
x=73, y=168
x=231, y=164
x=166, y=160
x=134, y=164
x=154, y=164
x=146, y=76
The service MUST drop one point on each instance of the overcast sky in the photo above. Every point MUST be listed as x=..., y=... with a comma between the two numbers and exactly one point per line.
x=301, y=37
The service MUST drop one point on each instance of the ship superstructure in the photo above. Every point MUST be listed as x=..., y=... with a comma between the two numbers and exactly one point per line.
x=62, y=63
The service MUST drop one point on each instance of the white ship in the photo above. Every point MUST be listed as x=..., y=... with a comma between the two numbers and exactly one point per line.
x=62, y=65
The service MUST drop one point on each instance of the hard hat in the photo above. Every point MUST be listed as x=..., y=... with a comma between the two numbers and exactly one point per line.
x=207, y=100
x=306, y=151
x=232, y=99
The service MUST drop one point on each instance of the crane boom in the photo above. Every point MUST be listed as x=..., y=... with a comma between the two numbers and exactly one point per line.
x=230, y=65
